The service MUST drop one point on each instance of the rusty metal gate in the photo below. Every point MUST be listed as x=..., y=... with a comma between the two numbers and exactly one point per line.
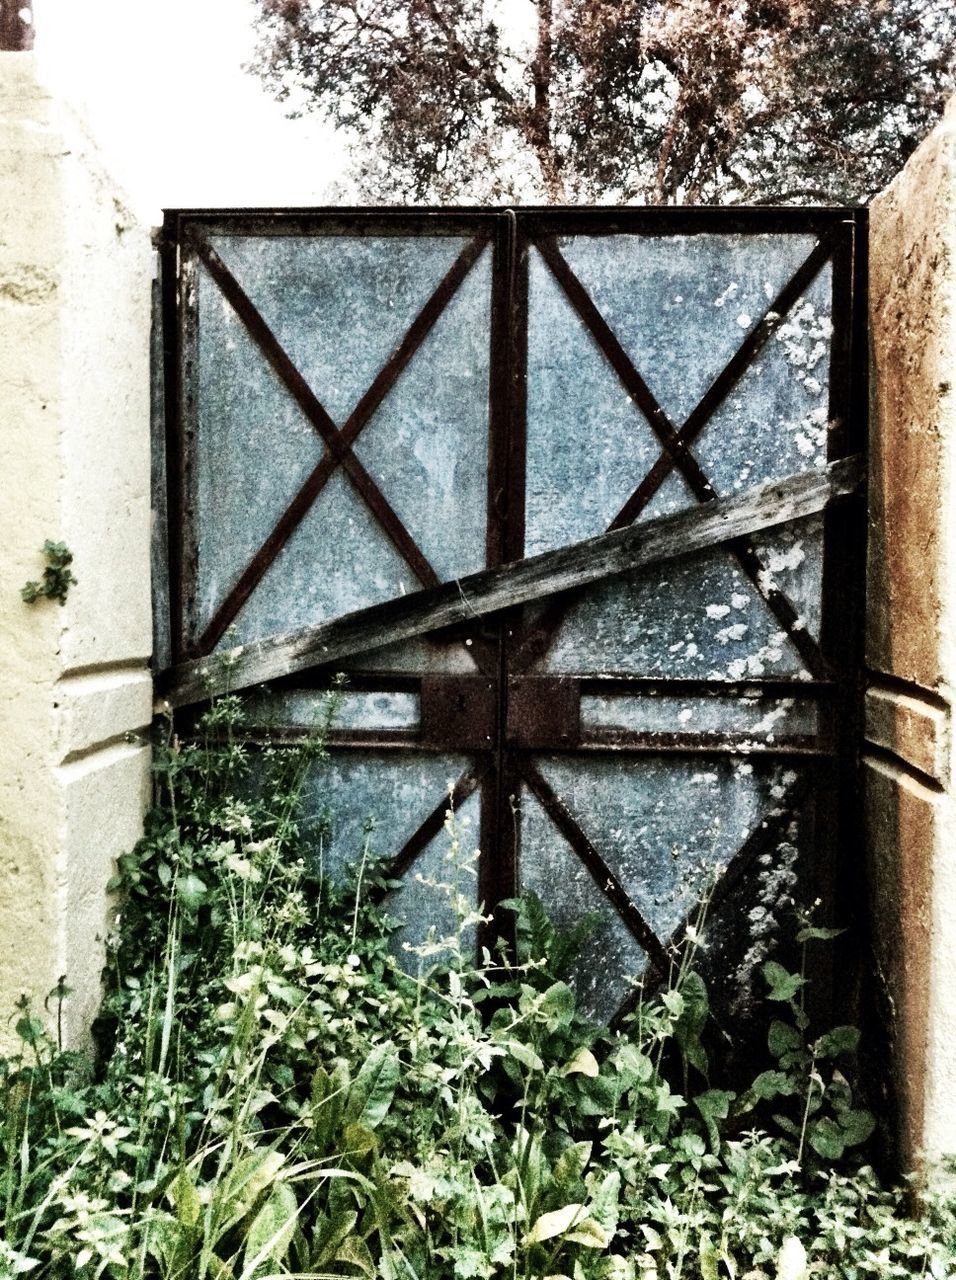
x=568, y=496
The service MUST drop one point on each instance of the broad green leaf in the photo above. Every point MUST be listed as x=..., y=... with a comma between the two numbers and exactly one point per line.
x=673, y=1002
x=692, y=1144
x=696, y=1002
x=161, y=1239
x=330, y=1232
x=558, y=1003
x=654, y=1240
x=572, y=1223
x=714, y=1105
x=524, y=1054
x=358, y=1140
x=783, y=984
x=693, y=1018
x=237, y=1193
x=589, y=1233
x=470, y=1263
x=792, y=1261
x=555, y=1223
x=857, y=1125
x=583, y=1063
x=329, y=1095
x=271, y=1231
x=532, y=1164
x=217, y=1269
x=783, y=1038
x=836, y=1041
x=191, y=891
x=827, y=1138
x=605, y=1202
x=632, y=1066
x=184, y=1198
x=709, y=1257
x=788, y=1125
x=374, y=1087
x=666, y=1102
x=812, y=933
x=774, y=1084
x=355, y=1252
x=571, y=1164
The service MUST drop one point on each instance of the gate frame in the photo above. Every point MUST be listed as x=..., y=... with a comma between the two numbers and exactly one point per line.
x=510, y=234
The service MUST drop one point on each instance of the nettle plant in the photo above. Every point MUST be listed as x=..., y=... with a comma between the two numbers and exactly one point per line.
x=276, y=1096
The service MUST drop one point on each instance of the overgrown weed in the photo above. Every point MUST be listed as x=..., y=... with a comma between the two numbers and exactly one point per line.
x=276, y=1096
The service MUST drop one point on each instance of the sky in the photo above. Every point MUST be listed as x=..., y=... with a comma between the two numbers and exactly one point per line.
x=161, y=86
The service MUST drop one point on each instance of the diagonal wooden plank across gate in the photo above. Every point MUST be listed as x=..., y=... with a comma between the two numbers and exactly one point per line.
x=547, y=576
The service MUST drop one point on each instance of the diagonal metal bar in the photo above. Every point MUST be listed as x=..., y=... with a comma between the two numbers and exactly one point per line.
x=536, y=642
x=601, y=873
x=338, y=442
x=467, y=784
x=761, y=838
x=781, y=608
x=620, y=362
x=728, y=377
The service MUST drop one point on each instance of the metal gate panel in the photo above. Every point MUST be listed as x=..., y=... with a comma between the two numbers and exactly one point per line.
x=299, y=342
x=333, y=448
x=369, y=406
x=691, y=366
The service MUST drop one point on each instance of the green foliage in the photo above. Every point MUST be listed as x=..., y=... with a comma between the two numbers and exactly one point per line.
x=276, y=1096
x=57, y=578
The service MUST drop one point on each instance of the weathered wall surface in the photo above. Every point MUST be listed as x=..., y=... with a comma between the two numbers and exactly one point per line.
x=911, y=631
x=75, y=276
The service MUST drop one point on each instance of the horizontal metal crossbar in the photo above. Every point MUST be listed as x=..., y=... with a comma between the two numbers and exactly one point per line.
x=468, y=599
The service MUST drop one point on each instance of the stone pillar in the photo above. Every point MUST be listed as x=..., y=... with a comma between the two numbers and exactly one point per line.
x=75, y=692
x=911, y=634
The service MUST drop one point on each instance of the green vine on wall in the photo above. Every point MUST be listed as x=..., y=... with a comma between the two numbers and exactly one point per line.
x=57, y=578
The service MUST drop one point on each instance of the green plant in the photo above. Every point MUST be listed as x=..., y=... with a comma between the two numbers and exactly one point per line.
x=57, y=577
x=828, y=1123
x=276, y=1095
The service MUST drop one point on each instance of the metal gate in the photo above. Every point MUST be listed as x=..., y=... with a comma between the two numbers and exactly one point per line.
x=567, y=494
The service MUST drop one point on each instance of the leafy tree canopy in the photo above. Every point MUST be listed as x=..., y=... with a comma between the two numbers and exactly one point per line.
x=656, y=101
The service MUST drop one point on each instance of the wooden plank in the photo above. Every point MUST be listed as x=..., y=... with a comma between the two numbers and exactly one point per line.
x=468, y=599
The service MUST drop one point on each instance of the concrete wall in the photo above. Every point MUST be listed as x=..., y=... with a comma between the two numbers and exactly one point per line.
x=911, y=633
x=75, y=273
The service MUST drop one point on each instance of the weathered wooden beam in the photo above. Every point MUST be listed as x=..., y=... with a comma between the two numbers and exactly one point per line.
x=470, y=598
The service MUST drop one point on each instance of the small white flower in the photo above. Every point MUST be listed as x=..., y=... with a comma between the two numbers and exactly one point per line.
x=353, y=961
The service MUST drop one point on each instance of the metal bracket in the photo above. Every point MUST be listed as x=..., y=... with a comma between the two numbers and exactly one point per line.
x=459, y=712
x=543, y=711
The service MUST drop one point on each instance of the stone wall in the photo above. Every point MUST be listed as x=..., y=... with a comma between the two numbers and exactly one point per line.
x=911, y=633
x=75, y=275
